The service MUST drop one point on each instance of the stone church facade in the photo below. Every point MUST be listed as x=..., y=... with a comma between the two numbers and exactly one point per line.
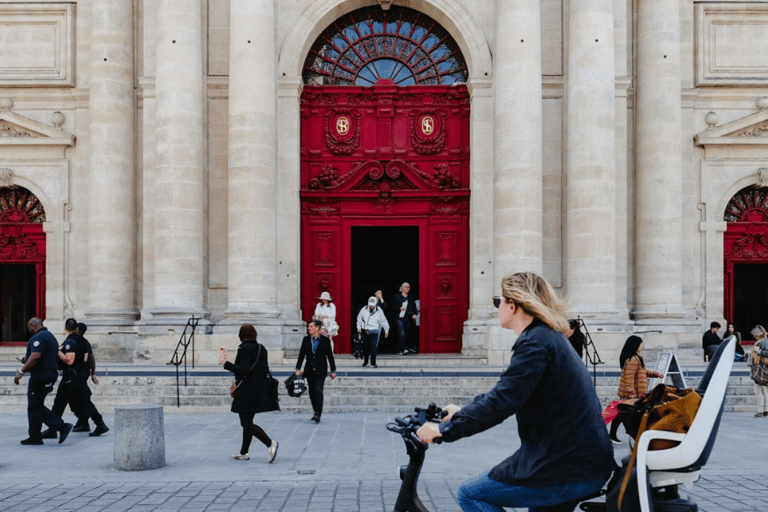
x=223, y=158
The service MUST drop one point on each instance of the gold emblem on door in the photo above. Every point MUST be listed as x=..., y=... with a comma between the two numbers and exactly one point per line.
x=427, y=125
x=342, y=125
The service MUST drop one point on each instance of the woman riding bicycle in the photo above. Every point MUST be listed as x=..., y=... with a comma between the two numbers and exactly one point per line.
x=565, y=453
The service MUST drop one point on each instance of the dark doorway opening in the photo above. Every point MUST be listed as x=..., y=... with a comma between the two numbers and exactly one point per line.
x=17, y=301
x=750, y=297
x=383, y=257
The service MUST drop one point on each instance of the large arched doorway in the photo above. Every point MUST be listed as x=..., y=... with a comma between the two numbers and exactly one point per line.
x=385, y=171
x=745, y=248
x=22, y=262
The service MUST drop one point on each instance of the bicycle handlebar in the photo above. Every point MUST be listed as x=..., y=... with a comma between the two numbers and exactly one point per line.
x=408, y=425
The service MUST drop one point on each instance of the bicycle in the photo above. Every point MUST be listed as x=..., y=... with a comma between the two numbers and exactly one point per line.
x=664, y=499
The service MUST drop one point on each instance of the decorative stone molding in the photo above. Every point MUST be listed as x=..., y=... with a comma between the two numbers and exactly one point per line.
x=7, y=130
x=18, y=130
x=754, y=131
x=6, y=177
x=38, y=44
x=731, y=44
x=762, y=177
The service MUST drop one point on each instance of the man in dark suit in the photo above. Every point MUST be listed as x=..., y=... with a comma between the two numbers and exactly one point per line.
x=316, y=349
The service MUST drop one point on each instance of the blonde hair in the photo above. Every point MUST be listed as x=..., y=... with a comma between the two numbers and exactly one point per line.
x=758, y=330
x=535, y=295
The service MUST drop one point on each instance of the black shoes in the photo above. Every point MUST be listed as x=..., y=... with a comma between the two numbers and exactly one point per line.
x=32, y=442
x=100, y=429
x=374, y=366
x=316, y=418
x=50, y=434
x=64, y=432
x=365, y=364
x=81, y=427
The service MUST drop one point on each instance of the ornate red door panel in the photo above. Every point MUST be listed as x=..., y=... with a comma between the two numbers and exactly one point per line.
x=387, y=156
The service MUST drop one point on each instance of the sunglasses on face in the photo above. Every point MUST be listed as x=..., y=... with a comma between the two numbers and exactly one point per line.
x=496, y=302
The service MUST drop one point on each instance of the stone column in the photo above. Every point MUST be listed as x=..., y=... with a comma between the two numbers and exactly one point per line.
x=591, y=160
x=111, y=165
x=252, y=160
x=658, y=264
x=179, y=155
x=518, y=215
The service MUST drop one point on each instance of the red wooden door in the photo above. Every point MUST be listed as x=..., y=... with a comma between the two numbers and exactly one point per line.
x=387, y=156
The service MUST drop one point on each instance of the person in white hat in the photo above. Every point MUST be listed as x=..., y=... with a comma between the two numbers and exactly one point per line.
x=325, y=311
x=370, y=322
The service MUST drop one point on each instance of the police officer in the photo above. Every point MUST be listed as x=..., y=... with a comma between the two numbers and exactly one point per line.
x=41, y=361
x=85, y=366
x=67, y=392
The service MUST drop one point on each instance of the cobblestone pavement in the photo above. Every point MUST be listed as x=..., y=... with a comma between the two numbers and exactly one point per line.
x=346, y=463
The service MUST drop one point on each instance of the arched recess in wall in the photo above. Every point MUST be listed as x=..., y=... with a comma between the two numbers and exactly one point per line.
x=385, y=181
x=745, y=265
x=22, y=262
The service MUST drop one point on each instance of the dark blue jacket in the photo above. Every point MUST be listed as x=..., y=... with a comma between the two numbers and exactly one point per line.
x=45, y=343
x=563, y=435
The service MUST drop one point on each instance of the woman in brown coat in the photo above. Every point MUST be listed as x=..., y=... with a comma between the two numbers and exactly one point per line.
x=251, y=371
x=634, y=377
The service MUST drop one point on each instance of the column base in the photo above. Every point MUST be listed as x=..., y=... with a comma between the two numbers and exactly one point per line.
x=110, y=320
x=163, y=320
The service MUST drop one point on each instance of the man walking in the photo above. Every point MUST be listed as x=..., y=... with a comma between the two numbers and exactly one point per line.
x=85, y=366
x=370, y=321
x=405, y=309
x=316, y=349
x=41, y=361
x=66, y=393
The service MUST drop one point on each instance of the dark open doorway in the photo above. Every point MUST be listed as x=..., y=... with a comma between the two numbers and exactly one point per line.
x=17, y=301
x=383, y=257
x=750, y=294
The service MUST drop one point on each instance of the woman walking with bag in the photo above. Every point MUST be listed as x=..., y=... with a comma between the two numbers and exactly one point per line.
x=634, y=378
x=758, y=352
x=252, y=393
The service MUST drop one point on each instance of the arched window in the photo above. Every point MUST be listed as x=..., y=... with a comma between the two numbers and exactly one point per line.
x=18, y=204
x=371, y=44
x=750, y=204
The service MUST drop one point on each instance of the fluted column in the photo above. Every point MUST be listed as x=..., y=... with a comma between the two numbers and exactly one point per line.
x=518, y=216
x=111, y=165
x=591, y=158
x=252, y=160
x=658, y=264
x=179, y=161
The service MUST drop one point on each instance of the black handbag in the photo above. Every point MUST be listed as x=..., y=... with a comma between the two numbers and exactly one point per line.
x=357, y=345
x=296, y=385
x=274, y=386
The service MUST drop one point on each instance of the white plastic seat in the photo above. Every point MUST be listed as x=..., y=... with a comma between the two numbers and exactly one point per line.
x=682, y=464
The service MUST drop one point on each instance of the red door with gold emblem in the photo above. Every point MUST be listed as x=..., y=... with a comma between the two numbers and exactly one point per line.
x=385, y=180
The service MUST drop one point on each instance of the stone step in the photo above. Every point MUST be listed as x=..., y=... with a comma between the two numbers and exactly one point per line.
x=389, y=389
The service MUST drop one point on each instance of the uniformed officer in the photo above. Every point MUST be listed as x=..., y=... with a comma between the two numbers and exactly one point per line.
x=85, y=366
x=67, y=392
x=41, y=361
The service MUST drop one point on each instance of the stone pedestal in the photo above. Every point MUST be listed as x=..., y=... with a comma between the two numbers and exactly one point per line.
x=139, y=437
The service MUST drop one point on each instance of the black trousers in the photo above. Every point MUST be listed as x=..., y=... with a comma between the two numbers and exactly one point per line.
x=84, y=405
x=403, y=328
x=315, y=385
x=66, y=396
x=251, y=430
x=37, y=413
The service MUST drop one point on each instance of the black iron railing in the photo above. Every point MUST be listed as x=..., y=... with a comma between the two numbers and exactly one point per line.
x=180, y=354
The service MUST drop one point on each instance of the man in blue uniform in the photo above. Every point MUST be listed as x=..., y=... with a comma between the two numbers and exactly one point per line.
x=85, y=366
x=41, y=361
x=66, y=393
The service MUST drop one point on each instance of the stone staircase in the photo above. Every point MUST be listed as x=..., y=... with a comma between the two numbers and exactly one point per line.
x=399, y=384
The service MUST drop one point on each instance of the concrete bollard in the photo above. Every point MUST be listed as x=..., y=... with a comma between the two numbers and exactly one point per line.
x=139, y=437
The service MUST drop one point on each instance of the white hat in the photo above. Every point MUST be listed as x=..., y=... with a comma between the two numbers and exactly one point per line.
x=373, y=301
x=325, y=295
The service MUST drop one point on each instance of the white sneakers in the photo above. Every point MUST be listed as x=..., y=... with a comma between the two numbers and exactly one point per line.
x=272, y=451
x=241, y=456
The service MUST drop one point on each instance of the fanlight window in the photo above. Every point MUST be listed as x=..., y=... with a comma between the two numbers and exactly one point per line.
x=18, y=204
x=750, y=204
x=372, y=44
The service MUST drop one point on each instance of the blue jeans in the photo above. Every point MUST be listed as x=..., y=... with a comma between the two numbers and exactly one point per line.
x=403, y=326
x=483, y=494
x=370, y=346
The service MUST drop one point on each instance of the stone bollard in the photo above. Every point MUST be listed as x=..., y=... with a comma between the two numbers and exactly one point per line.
x=139, y=437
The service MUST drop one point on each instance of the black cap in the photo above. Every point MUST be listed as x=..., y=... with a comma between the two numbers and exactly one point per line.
x=82, y=327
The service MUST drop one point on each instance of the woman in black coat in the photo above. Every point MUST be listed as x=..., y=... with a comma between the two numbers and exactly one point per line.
x=251, y=370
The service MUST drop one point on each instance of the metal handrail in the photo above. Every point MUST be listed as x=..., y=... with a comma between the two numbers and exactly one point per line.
x=590, y=358
x=180, y=357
